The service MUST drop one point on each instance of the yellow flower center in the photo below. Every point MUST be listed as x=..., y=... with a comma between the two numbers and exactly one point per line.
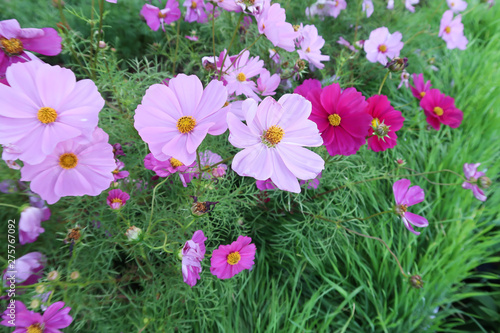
x=186, y=124
x=401, y=209
x=334, y=119
x=194, y=5
x=68, y=161
x=375, y=123
x=452, y=4
x=447, y=29
x=308, y=50
x=47, y=115
x=382, y=48
x=438, y=111
x=226, y=104
x=175, y=162
x=233, y=258
x=35, y=328
x=274, y=135
x=321, y=6
x=161, y=15
x=241, y=77
x=12, y=46
x=422, y=94
x=117, y=200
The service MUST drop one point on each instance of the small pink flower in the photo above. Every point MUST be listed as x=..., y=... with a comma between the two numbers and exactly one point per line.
x=440, y=109
x=30, y=223
x=452, y=31
x=307, y=86
x=53, y=319
x=254, y=7
x=367, y=7
x=27, y=269
x=165, y=168
x=457, y=5
x=271, y=22
x=390, y=4
x=326, y=8
x=344, y=42
x=421, y=88
x=409, y=5
x=229, y=5
x=193, y=38
x=406, y=197
x=238, y=76
x=118, y=173
x=267, y=84
x=193, y=253
x=383, y=45
x=155, y=16
x=117, y=198
x=229, y=260
x=195, y=11
x=405, y=77
x=473, y=176
x=310, y=47
x=386, y=122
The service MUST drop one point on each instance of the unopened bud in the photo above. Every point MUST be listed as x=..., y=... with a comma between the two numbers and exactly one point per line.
x=102, y=44
x=34, y=304
x=484, y=182
x=52, y=276
x=416, y=281
x=133, y=233
x=300, y=65
x=400, y=161
x=58, y=3
x=74, y=275
x=397, y=64
x=296, y=27
x=40, y=289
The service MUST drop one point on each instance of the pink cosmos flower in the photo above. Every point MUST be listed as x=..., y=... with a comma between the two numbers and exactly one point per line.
x=274, y=56
x=420, y=89
x=344, y=42
x=386, y=122
x=208, y=158
x=76, y=167
x=165, y=168
x=118, y=173
x=117, y=198
x=452, y=31
x=409, y=5
x=195, y=11
x=193, y=38
x=16, y=42
x=307, y=86
x=311, y=47
x=229, y=260
x=267, y=84
x=193, y=253
x=45, y=106
x=367, y=7
x=405, y=197
x=272, y=140
x=272, y=23
x=155, y=16
x=473, y=177
x=229, y=5
x=31, y=322
x=440, y=109
x=174, y=120
x=405, y=77
x=326, y=8
x=390, y=4
x=27, y=269
x=457, y=5
x=341, y=118
x=382, y=45
x=254, y=7
x=30, y=223
x=239, y=75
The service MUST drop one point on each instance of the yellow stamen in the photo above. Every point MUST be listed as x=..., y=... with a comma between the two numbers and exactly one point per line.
x=68, y=161
x=115, y=171
x=226, y=104
x=447, y=29
x=186, y=124
x=375, y=123
x=241, y=77
x=175, y=162
x=12, y=46
x=308, y=50
x=161, y=15
x=274, y=135
x=35, y=328
x=438, y=111
x=233, y=258
x=334, y=119
x=422, y=94
x=47, y=115
x=117, y=200
x=194, y=5
x=382, y=48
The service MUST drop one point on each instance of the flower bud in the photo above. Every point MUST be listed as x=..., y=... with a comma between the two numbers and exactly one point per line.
x=53, y=276
x=133, y=233
x=359, y=44
x=199, y=208
x=400, y=162
x=102, y=44
x=484, y=182
x=218, y=172
x=40, y=289
x=300, y=65
x=74, y=275
x=416, y=281
x=397, y=64
x=35, y=304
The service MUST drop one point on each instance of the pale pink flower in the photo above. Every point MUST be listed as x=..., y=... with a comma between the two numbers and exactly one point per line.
x=118, y=173
x=193, y=38
x=344, y=42
x=405, y=197
x=326, y=8
x=267, y=84
x=457, y=5
x=474, y=178
x=274, y=56
x=165, y=168
x=272, y=23
x=390, y=4
x=238, y=76
x=310, y=47
x=155, y=16
x=195, y=11
x=30, y=223
x=27, y=269
x=254, y=7
x=409, y=5
x=452, y=31
x=383, y=45
x=192, y=254
x=405, y=77
x=367, y=7
x=229, y=5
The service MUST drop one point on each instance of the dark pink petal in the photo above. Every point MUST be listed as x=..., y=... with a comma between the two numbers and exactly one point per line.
x=330, y=98
x=400, y=188
x=48, y=44
x=416, y=220
x=150, y=14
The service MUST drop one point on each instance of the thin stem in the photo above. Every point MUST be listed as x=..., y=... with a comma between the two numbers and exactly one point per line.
x=353, y=219
x=91, y=39
x=213, y=30
x=8, y=205
x=153, y=205
x=241, y=53
x=360, y=9
x=176, y=46
x=415, y=35
x=231, y=43
x=99, y=33
x=383, y=81
x=216, y=164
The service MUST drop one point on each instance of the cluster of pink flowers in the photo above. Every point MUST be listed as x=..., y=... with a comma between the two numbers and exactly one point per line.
x=55, y=317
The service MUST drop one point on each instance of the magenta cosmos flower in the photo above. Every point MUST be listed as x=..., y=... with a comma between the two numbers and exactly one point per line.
x=386, y=121
x=310, y=46
x=440, y=109
x=272, y=141
x=76, y=167
x=193, y=253
x=15, y=42
x=306, y=86
x=53, y=319
x=117, y=198
x=195, y=11
x=242, y=70
x=341, y=118
x=119, y=173
x=383, y=45
x=405, y=197
x=174, y=120
x=474, y=180
x=30, y=223
x=155, y=16
x=27, y=269
x=457, y=5
x=421, y=88
x=229, y=260
x=452, y=31
x=272, y=23
x=45, y=106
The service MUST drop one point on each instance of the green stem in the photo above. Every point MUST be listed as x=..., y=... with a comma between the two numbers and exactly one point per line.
x=231, y=43
x=176, y=46
x=360, y=9
x=383, y=81
x=153, y=205
x=241, y=53
x=91, y=39
x=99, y=33
x=213, y=30
x=353, y=219
x=11, y=206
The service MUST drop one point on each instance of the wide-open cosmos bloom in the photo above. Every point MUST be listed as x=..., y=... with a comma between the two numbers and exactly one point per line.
x=229, y=260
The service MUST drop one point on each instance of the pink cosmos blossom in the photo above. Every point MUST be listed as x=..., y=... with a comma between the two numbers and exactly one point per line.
x=239, y=75
x=341, y=118
x=76, y=167
x=254, y=7
x=405, y=197
x=195, y=11
x=420, y=89
x=174, y=120
x=272, y=140
x=307, y=86
x=367, y=7
x=112, y=1
x=326, y=8
x=386, y=122
x=118, y=150
x=54, y=318
x=344, y=42
x=457, y=5
x=27, y=269
x=440, y=109
x=118, y=173
x=30, y=223
x=155, y=16
x=229, y=260
x=409, y=5
x=473, y=178
x=382, y=45
x=117, y=198
x=271, y=22
x=10, y=155
x=311, y=47
x=165, y=168
x=208, y=158
x=452, y=31
x=229, y=5
x=45, y=106
x=390, y=4
x=193, y=38
x=193, y=253
x=16, y=42
x=405, y=77
x=267, y=84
